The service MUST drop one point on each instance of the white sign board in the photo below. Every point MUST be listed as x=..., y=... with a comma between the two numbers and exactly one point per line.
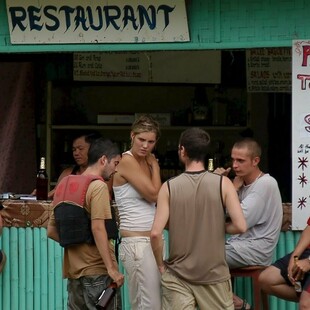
x=96, y=21
x=269, y=70
x=157, y=67
x=300, y=134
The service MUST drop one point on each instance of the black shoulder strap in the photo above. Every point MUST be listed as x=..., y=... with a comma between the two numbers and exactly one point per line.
x=221, y=193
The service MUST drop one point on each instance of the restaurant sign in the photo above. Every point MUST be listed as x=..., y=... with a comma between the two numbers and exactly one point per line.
x=300, y=134
x=96, y=21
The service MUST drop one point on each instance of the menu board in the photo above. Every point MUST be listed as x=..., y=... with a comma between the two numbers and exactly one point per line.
x=269, y=70
x=151, y=66
x=96, y=66
x=300, y=134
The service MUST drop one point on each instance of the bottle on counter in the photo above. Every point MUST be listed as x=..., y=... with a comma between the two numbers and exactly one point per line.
x=210, y=165
x=298, y=287
x=200, y=107
x=42, y=181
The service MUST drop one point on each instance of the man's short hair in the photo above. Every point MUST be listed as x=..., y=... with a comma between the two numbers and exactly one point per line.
x=252, y=145
x=89, y=136
x=195, y=142
x=101, y=147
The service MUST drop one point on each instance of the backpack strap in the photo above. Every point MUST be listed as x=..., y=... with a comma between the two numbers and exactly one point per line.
x=73, y=188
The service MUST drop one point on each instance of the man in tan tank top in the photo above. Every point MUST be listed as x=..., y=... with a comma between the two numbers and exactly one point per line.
x=193, y=206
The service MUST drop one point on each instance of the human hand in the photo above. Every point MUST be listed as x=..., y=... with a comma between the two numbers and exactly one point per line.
x=152, y=161
x=238, y=182
x=289, y=270
x=222, y=171
x=299, y=269
x=117, y=277
x=162, y=269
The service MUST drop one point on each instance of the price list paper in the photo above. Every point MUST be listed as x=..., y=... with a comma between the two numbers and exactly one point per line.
x=300, y=133
x=269, y=70
x=113, y=66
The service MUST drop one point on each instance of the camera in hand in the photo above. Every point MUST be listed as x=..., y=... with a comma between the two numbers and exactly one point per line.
x=106, y=297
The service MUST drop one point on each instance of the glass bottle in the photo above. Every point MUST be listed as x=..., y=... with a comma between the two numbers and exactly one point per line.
x=210, y=165
x=200, y=105
x=42, y=181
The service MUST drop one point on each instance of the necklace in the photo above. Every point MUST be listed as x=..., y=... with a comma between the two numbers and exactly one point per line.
x=261, y=173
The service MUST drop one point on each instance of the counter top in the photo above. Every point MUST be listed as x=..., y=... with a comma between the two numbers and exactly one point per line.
x=30, y=213
x=25, y=213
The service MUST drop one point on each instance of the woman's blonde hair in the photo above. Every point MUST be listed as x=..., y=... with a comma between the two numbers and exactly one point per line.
x=145, y=123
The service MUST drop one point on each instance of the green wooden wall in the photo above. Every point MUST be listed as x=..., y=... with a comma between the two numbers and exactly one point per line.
x=213, y=24
x=32, y=276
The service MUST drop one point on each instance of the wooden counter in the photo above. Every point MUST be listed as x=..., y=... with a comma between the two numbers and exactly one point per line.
x=25, y=213
x=29, y=213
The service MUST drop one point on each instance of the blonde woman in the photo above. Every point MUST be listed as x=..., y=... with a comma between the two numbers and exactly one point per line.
x=136, y=185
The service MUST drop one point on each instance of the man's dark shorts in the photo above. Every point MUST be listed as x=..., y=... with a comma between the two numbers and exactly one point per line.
x=282, y=264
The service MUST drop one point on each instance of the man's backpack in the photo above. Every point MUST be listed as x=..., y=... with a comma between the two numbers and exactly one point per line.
x=72, y=220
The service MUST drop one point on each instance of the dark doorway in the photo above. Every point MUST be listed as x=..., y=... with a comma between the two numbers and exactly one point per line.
x=280, y=142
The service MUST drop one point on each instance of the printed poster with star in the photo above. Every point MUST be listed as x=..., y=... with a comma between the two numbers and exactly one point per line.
x=300, y=134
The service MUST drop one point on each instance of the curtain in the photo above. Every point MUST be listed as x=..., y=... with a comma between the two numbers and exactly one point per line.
x=17, y=128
